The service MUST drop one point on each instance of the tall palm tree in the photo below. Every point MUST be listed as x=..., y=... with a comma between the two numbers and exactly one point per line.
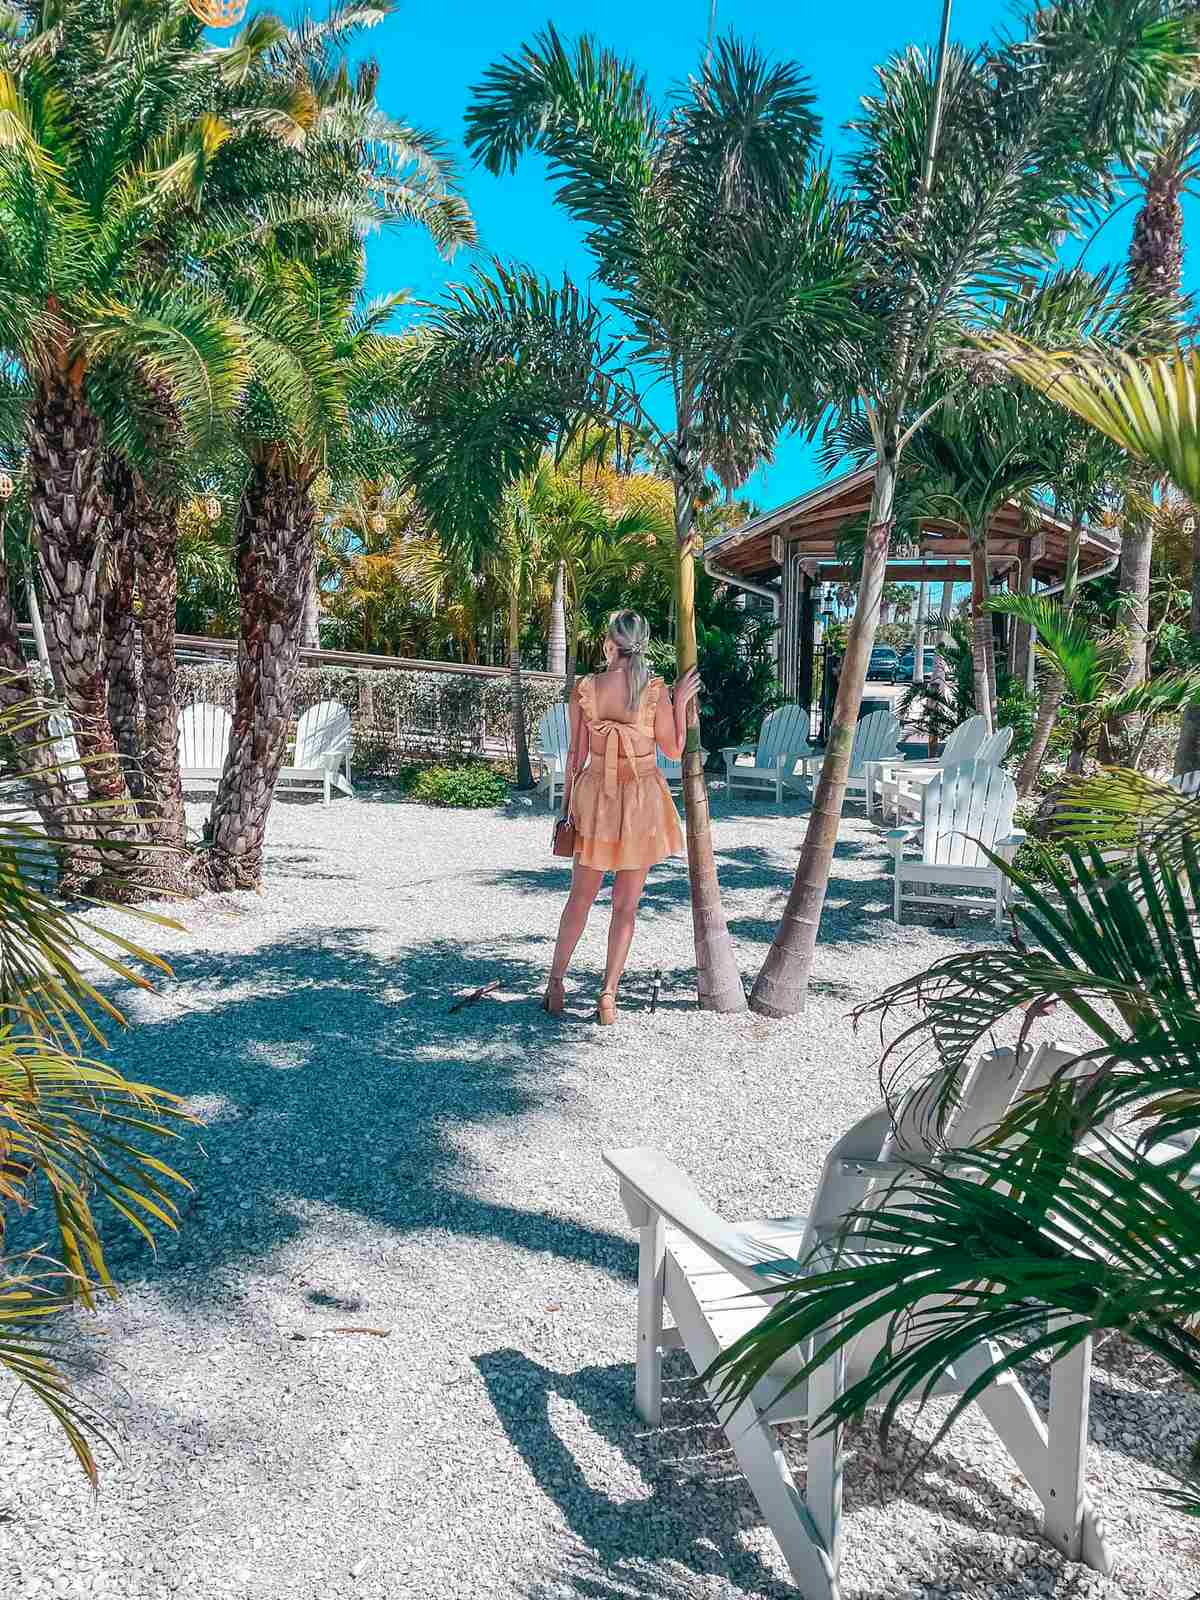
x=720, y=247
x=978, y=163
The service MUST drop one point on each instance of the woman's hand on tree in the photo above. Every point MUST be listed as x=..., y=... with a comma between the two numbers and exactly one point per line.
x=686, y=687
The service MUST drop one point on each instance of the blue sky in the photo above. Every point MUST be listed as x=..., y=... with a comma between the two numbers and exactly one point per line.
x=431, y=58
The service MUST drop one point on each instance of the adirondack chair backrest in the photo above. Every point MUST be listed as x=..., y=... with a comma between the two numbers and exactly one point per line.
x=323, y=735
x=64, y=747
x=993, y=749
x=784, y=731
x=1186, y=783
x=554, y=733
x=876, y=737
x=963, y=807
x=203, y=735
x=963, y=742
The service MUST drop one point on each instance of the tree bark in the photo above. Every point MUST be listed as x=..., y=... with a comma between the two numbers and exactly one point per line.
x=69, y=509
x=782, y=985
x=120, y=630
x=276, y=522
x=61, y=813
x=981, y=630
x=162, y=796
x=718, y=981
x=1187, y=752
x=310, y=630
x=517, y=690
x=556, y=645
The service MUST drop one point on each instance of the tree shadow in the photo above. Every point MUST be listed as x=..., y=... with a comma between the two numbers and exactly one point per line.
x=332, y=1077
x=684, y=1509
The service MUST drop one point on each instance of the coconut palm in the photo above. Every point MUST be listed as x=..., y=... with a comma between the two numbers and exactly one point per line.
x=968, y=169
x=721, y=248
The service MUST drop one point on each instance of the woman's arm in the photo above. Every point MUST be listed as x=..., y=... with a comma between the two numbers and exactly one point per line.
x=577, y=754
x=670, y=717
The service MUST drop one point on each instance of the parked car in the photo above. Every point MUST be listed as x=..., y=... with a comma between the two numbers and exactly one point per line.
x=905, y=665
x=884, y=665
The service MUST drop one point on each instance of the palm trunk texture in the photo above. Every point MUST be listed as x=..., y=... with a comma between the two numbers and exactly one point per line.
x=516, y=688
x=1187, y=752
x=120, y=628
x=162, y=795
x=556, y=644
x=310, y=632
x=718, y=981
x=981, y=631
x=1053, y=688
x=276, y=522
x=782, y=985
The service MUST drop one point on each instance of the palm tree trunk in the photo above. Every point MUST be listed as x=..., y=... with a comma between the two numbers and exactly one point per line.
x=517, y=689
x=60, y=813
x=276, y=521
x=572, y=658
x=162, y=797
x=981, y=630
x=1187, y=752
x=69, y=509
x=782, y=985
x=556, y=645
x=310, y=628
x=1054, y=688
x=120, y=630
x=718, y=981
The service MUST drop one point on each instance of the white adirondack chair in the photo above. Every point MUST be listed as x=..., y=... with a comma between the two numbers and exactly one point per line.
x=554, y=741
x=700, y=1268
x=324, y=737
x=877, y=738
x=204, y=731
x=782, y=741
x=65, y=749
x=961, y=809
x=1186, y=783
x=961, y=746
x=910, y=787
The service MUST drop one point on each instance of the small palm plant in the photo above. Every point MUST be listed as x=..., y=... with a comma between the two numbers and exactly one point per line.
x=73, y=1130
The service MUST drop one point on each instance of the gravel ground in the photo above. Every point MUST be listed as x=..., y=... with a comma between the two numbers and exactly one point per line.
x=370, y=1160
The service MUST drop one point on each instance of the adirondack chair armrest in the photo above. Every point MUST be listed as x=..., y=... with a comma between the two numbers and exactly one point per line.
x=899, y=837
x=736, y=750
x=1014, y=841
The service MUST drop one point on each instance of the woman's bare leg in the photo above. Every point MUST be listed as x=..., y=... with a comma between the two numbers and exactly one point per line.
x=585, y=885
x=627, y=891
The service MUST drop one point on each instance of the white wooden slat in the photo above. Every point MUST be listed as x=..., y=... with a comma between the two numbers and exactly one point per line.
x=323, y=735
x=554, y=732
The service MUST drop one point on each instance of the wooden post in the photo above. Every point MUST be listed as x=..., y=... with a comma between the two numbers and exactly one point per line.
x=808, y=623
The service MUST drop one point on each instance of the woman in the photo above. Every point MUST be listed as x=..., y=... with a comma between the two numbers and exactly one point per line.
x=625, y=820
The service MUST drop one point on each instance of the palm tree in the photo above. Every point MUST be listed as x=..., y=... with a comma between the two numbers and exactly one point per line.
x=1091, y=671
x=720, y=247
x=977, y=163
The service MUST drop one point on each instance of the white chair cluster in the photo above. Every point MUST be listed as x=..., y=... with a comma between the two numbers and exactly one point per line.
x=324, y=740
x=876, y=739
x=716, y=1277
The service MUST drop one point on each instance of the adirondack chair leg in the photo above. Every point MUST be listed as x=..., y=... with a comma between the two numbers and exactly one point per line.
x=770, y=1478
x=824, y=1491
x=327, y=785
x=651, y=1269
x=896, y=888
x=1071, y=1524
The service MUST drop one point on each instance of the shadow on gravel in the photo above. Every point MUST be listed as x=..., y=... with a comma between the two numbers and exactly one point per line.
x=682, y=1501
x=341, y=1080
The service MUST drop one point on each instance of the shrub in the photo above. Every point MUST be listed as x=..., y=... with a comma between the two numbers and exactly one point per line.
x=472, y=786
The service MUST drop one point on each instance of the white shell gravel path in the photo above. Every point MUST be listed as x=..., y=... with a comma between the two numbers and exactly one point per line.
x=370, y=1160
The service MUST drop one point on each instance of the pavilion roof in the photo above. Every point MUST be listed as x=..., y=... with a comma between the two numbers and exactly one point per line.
x=815, y=521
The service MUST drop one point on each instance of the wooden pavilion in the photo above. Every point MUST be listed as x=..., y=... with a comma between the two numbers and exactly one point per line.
x=787, y=554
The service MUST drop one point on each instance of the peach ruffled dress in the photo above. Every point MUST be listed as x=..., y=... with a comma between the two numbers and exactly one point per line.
x=622, y=809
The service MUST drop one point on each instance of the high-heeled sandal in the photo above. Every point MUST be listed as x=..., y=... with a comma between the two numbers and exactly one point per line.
x=606, y=1008
x=555, y=997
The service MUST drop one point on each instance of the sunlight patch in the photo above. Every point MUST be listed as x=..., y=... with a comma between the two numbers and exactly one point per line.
x=607, y=1471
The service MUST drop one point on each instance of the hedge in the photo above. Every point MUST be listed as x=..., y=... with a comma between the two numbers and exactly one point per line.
x=399, y=716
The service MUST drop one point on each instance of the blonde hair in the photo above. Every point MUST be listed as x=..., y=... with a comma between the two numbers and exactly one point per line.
x=631, y=635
